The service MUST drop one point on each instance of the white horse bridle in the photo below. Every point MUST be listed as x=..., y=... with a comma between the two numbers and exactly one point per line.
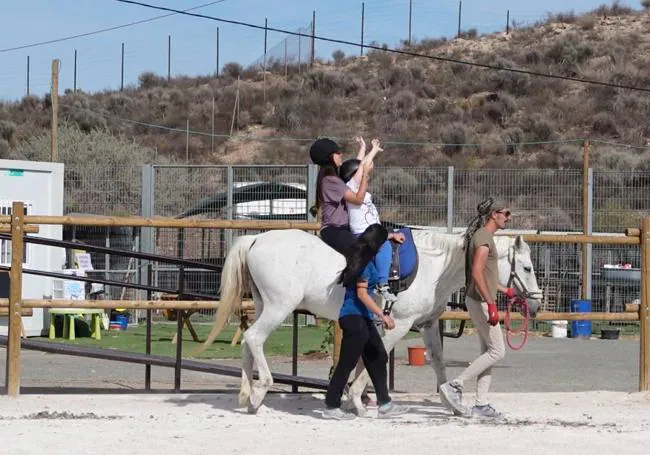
x=515, y=278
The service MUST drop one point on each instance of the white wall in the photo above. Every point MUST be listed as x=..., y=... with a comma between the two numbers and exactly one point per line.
x=40, y=186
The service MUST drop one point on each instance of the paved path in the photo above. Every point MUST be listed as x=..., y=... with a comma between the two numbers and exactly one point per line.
x=544, y=365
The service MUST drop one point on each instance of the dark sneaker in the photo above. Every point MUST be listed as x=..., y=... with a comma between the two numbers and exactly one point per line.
x=486, y=411
x=451, y=397
x=337, y=414
x=391, y=409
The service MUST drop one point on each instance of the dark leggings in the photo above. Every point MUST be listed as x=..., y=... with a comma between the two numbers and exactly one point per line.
x=360, y=339
x=338, y=237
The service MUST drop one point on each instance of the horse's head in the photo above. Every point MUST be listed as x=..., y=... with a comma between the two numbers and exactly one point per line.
x=516, y=270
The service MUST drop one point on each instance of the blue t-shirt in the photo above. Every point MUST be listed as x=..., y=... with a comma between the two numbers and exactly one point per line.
x=351, y=303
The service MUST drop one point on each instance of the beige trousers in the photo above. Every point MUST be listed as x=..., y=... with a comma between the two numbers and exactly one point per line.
x=492, y=350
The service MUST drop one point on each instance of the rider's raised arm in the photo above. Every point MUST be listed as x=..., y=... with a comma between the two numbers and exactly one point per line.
x=357, y=197
x=362, y=147
x=367, y=159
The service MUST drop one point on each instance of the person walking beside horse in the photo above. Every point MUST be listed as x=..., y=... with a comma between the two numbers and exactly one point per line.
x=481, y=286
x=360, y=336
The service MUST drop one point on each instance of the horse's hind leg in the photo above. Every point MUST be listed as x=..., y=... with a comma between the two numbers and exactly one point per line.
x=246, y=375
x=247, y=356
x=255, y=337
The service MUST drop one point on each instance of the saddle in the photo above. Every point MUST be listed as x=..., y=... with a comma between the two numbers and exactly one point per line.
x=404, y=266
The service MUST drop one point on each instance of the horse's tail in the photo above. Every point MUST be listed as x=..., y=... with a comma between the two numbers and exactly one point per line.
x=234, y=282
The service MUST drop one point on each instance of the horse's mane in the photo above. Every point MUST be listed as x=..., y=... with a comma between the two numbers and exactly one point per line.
x=436, y=243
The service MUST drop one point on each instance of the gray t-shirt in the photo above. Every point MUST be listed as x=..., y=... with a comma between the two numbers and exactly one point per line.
x=335, y=212
x=483, y=237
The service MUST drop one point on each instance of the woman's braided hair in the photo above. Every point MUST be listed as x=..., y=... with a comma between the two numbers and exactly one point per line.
x=484, y=209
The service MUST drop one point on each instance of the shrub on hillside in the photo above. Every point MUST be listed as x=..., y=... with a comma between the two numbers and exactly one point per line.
x=4, y=150
x=149, y=79
x=615, y=9
x=540, y=128
x=453, y=137
x=232, y=69
x=99, y=147
x=7, y=130
x=604, y=125
x=338, y=56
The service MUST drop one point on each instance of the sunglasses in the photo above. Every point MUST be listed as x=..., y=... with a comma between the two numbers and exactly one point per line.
x=505, y=213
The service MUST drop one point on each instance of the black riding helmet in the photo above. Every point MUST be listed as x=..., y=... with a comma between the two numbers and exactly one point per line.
x=321, y=151
x=349, y=168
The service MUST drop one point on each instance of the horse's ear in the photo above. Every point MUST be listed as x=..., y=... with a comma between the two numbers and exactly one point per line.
x=519, y=242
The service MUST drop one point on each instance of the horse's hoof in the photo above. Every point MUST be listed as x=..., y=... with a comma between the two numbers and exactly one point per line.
x=254, y=403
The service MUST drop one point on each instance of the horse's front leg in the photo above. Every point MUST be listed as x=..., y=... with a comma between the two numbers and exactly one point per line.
x=431, y=337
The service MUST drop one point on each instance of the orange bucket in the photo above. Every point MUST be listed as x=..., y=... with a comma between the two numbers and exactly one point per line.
x=417, y=355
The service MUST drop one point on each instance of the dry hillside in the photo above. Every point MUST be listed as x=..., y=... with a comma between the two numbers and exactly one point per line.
x=398, y=98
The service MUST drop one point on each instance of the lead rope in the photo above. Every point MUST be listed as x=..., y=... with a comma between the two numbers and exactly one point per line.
x=522, y=304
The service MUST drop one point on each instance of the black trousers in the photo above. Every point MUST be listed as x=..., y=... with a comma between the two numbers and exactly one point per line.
x=338, y=237
x=360, y=339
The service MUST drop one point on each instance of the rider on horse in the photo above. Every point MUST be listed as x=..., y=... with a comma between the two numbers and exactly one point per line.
x=334, y=199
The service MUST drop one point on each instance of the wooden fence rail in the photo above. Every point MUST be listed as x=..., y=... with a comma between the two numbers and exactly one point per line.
x=19, y=225
x=247, y=305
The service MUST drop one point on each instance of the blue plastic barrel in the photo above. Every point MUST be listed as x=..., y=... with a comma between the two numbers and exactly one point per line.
x=122, y=320
x=580, y=329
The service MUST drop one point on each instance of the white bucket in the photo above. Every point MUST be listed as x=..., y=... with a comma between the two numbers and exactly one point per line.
x=559, y=329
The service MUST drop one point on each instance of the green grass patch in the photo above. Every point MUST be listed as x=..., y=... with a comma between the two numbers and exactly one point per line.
x=133, y=340
x=310, y=341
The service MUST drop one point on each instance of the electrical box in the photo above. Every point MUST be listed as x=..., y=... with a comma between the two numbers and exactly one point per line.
x=40, y=186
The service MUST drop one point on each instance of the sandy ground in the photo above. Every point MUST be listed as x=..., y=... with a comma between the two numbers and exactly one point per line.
x=552, y=393
x=553, y=423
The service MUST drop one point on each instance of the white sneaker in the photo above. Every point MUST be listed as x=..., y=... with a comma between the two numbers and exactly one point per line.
x=391, y=409
x=337, y=414
x=486, y=411
x=452, y=398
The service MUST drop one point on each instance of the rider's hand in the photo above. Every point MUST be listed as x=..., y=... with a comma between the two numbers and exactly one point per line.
x=376, y=145
x=360, y=141
x=388, y=322
x=397, y=237
x=511, y=293
x=493, y=314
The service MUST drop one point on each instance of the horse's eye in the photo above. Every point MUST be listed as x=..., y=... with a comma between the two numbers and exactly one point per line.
x=528, y=269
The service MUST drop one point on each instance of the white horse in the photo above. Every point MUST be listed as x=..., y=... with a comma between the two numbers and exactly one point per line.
x=287, y=270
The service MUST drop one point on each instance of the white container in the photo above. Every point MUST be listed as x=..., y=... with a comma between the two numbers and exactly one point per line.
x=40, y=186
x=559, y=329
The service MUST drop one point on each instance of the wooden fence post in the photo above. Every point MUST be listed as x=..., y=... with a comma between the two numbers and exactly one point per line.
x=644, y=309
x=12, y=377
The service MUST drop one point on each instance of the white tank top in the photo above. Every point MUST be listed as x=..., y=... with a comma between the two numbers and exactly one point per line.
x=361, y=216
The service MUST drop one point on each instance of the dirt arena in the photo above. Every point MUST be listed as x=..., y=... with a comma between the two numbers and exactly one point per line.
x=553, y=423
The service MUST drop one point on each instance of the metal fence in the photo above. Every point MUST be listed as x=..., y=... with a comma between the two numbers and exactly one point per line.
x=546, y=200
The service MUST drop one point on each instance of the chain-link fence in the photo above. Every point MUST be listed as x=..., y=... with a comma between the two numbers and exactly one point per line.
x=292, y=50
x=543, y=200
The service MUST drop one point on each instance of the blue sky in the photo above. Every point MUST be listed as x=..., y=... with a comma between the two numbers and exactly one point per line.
x=194, y=40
